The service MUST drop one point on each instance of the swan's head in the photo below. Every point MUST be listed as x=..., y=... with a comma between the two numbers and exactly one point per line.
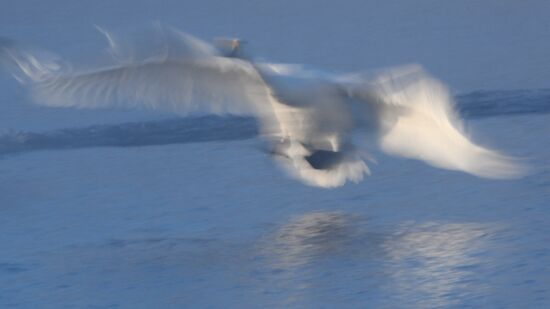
x=230, y=47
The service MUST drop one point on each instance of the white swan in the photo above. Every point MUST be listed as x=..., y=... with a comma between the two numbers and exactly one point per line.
x=308, y=117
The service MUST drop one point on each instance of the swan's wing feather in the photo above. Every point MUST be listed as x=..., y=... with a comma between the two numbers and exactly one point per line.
x=417, y=120
x=184, y=77
x=216, y=85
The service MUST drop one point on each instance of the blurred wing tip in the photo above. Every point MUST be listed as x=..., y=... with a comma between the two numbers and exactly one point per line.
x=493, y=165
x=511, y=168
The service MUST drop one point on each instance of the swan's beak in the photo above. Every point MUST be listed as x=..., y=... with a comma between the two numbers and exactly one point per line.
x=235, y=43
x=230, y=47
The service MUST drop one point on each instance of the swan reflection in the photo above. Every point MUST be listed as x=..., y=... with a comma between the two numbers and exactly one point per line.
x=310, y=236
x=434, y=264
x=426, y=265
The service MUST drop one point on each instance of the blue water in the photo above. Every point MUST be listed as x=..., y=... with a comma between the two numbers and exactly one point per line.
x=183, y=219
x=120, y=209
x=478, y=104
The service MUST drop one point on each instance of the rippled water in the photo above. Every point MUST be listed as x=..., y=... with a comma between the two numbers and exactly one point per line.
x=215, y=224
x=479, y=104
x=119, y=209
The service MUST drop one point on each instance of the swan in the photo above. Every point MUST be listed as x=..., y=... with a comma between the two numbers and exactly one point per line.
x=314, y=122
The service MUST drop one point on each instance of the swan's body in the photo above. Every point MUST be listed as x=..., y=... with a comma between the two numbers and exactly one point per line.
x=308, y=117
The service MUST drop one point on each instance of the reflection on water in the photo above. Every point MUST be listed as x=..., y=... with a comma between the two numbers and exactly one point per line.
x=314, y=260
x=422, y=265
x=298, y=256
x=434, y=264
x=310, y=236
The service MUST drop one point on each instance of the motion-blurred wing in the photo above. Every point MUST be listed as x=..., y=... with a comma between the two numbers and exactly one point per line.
x=184, y=75
x=418, y=121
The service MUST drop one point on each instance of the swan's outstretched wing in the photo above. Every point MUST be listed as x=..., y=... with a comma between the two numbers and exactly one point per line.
x=417, y=120
x=310, y=124
x=182, y=75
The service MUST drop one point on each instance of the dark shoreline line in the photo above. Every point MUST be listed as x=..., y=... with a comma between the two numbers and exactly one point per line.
x=474, y=105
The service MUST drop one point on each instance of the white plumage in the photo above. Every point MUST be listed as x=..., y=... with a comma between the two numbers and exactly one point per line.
x=309, y=118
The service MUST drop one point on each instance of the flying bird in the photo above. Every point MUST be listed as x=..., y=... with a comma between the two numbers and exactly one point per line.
x=314, y=122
